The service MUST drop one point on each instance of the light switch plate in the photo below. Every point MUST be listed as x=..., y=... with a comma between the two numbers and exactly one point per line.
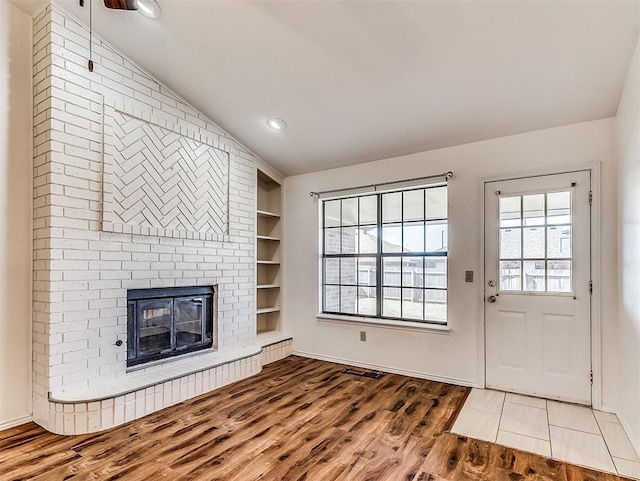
x=468, y=276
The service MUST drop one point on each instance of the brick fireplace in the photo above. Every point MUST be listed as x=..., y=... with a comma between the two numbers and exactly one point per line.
x=133, y=189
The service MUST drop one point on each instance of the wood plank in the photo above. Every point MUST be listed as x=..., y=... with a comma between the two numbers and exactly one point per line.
x=456, y=458
x=299, y=419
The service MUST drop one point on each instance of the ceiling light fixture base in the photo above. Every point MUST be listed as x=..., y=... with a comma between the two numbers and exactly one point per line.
x=149, y=8
x=277, y=124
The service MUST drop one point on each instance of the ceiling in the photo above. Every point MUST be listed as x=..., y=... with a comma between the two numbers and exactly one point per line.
x=364, y=80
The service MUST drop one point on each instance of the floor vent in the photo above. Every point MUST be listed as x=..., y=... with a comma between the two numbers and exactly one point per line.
x=356, y=372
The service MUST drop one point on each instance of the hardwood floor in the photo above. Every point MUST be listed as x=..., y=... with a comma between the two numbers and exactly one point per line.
x=299, y=419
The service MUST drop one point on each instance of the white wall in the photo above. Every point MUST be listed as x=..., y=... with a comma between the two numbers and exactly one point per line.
x=628, y=152
x=452, y=356
x=15, y=215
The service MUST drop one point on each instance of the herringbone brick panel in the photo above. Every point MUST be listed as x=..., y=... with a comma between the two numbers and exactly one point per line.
x=166, y=180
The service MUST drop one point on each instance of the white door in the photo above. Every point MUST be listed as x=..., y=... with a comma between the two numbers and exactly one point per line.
x=537, y=286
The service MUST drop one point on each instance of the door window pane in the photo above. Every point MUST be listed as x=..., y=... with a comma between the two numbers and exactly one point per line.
x=510, y=212
x=534, y=276
x=533, y=209
x=510, y=275
x=510, y=243
x=546, y=241
x=559, y=208
x=559, y=241
x=559, y=276
x=533, y=242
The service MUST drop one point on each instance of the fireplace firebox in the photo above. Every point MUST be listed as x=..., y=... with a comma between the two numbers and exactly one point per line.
x=167, y=322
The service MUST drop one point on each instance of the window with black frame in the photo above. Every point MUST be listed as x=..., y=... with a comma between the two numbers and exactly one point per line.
x=384, y=255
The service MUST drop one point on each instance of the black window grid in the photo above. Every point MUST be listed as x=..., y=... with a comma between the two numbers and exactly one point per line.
x=379, y=257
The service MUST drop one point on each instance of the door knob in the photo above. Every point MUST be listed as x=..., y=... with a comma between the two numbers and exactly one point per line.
x=491, y=299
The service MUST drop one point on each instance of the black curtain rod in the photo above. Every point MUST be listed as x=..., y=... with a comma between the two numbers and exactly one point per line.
x=446, y=175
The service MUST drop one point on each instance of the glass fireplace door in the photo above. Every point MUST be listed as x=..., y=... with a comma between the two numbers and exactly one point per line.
x=166, y=322
x=188, y=312
x=154, y=327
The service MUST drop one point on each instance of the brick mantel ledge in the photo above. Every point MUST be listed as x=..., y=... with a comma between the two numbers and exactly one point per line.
x=143, y=392
x=136, y=381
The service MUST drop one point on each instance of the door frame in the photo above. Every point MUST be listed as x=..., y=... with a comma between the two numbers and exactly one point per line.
x=596, y=274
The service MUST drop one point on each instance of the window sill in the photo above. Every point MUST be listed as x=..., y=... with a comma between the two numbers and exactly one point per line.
x=386, y=323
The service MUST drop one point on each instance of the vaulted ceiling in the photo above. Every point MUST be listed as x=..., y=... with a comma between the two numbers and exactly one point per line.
x=364, y=80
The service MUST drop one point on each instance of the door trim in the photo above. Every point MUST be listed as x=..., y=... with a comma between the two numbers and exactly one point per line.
x=596, y=274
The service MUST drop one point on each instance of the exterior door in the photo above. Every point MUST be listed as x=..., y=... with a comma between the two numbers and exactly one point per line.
x=538, y=287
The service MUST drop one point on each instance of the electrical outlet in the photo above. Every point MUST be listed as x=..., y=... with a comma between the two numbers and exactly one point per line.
x=363, y=335
x=468, y=276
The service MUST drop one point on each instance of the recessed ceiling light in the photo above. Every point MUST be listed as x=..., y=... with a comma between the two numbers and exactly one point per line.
x=149, y=8
x=277, y=124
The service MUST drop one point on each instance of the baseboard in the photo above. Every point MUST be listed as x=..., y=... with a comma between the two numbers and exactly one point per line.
x=607, y=409
x=403, y=372
x=631, y=434
x=15, y=422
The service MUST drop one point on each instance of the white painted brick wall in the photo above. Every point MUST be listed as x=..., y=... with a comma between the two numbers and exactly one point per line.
x=81, y=273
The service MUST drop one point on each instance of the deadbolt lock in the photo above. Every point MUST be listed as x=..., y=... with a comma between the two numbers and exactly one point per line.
x=492, y=283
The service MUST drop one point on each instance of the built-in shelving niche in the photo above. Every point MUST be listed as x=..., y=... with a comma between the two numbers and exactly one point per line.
x=268, y=255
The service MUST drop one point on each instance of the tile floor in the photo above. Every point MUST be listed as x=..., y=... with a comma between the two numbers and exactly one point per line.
x=566, y=432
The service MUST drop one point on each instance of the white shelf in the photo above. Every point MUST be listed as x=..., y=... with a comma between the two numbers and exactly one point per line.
x=265, y=213
x=268, y=286
x=265, y=338
x=266, y=310
x=268, y=238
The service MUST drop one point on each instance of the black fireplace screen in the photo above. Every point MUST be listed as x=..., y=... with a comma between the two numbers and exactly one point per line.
x=168, y=322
